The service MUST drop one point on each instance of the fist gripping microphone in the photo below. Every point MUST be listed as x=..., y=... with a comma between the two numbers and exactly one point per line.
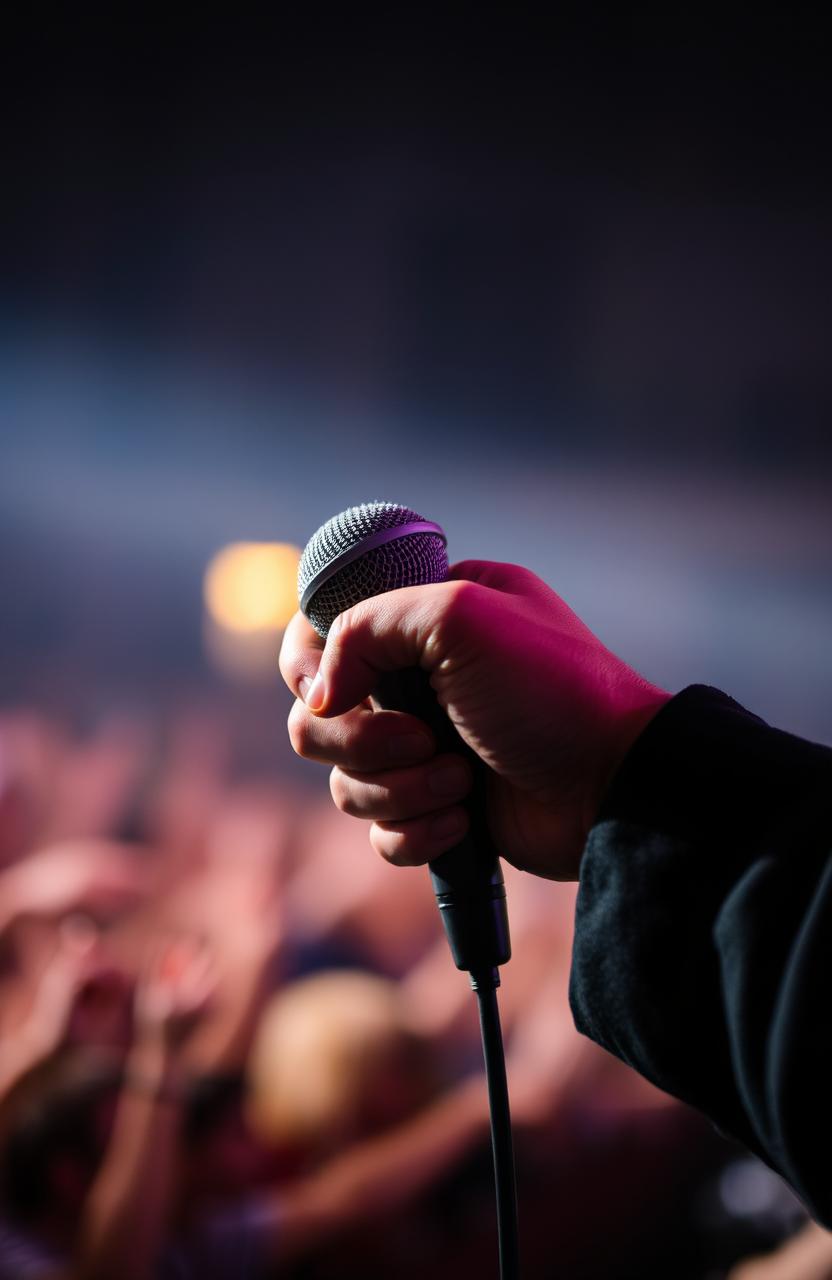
x=364, y=552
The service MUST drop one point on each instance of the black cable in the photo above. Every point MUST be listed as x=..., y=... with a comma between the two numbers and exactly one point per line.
x=485, y=985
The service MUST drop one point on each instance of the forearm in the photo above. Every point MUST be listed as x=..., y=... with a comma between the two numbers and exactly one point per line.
x=383, y=1173
x=20, y=1054
x=222, y=1043
x=127, y=1209
x=11, y=905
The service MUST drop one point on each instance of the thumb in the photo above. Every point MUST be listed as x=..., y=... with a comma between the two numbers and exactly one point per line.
x=388, y=632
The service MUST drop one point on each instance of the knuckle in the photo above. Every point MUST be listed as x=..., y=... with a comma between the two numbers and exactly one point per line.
x=397, y=846
x=291, y=651
x=349, y=796
x=345, y=629
x=339, y=791
x=459, y=595
x=298, y=726
x=286, y=669
x=377, y=841
x=461, y=600
x=285, y=660
x=392, y=848
x=397, y=857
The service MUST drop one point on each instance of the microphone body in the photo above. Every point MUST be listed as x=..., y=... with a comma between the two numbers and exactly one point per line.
x=363, y=552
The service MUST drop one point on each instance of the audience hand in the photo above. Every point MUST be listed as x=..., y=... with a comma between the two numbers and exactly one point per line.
x=73, y=966
x=97, y=876
x=173, y=992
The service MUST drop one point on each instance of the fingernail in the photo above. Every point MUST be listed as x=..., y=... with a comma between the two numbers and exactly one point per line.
x=448, y=825
x=409, y=746
x=449, y=779
x=312, y=691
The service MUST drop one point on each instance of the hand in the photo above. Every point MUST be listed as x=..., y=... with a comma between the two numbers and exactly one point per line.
x=547, y=708
x=173, y=991
x=71, y=969
x=92, y=875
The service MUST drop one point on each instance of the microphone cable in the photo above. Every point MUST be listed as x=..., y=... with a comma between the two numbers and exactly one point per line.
x=485, y=984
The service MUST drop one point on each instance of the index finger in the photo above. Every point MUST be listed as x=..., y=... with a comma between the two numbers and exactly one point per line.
x=300, y=653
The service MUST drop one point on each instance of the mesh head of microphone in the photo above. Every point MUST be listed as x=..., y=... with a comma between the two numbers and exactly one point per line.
x=411, y=560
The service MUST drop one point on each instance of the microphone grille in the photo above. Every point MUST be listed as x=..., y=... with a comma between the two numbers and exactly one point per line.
x=348, y=559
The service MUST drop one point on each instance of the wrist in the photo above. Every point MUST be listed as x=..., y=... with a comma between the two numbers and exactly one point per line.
x=631, y=703
x=158, y=1085
x=150, y=1055
x=634, y=704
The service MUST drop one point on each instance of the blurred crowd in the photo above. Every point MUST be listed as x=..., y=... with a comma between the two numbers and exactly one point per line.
x=232, y=1043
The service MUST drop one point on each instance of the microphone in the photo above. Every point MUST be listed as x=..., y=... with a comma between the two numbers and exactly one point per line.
x=363, y=552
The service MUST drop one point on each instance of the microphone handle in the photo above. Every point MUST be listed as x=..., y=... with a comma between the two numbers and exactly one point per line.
x=468, y=879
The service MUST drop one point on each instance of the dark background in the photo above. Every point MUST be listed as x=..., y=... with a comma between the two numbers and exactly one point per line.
x=563, y=287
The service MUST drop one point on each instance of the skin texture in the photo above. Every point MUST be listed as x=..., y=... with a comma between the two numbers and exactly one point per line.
x=549, y=710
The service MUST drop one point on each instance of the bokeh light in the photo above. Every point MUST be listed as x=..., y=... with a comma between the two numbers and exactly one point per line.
x=252, y=586
x=250, y=593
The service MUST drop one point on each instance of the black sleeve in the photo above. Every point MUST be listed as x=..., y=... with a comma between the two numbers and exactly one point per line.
x=703, y=940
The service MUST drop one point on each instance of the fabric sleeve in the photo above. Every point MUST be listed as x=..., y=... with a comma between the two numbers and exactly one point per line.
x=703, y=940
